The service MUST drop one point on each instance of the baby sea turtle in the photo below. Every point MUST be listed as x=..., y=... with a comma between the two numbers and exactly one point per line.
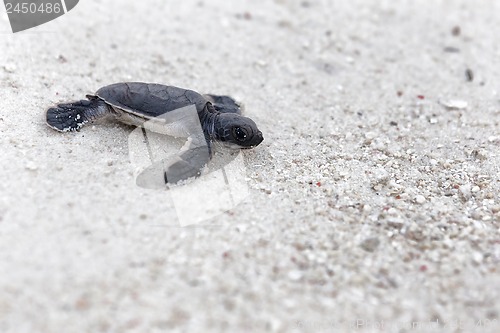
x=160, y=108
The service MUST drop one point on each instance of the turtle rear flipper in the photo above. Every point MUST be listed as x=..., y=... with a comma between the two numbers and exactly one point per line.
x=72, y=116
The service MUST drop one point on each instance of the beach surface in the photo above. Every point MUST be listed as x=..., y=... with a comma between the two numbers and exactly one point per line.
x=372, y=204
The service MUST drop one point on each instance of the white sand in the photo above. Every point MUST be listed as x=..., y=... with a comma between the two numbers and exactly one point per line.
x=404, y=227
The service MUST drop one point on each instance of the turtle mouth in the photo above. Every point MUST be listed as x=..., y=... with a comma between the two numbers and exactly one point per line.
x=243, y=147
x=232, y=146
x=235, y=146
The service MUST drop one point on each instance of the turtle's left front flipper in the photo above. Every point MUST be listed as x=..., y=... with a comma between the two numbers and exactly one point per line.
x=72, y=116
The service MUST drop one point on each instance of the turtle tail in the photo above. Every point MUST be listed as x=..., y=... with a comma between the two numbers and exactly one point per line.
x=72, y=116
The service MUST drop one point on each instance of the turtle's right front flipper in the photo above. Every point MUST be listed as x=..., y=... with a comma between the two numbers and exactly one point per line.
x=189, y=164
x=72, y=116
x=173, y=169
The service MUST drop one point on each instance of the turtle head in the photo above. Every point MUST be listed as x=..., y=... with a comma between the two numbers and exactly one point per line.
x=237, y=132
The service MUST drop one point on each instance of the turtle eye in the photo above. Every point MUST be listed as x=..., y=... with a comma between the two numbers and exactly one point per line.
x=240, y=133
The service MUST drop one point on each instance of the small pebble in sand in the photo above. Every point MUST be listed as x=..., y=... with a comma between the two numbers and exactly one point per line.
x=10, y=68
x=465, y=191
x=420, y=199
x=370, y=135
x=380, y=176
x=261, y=63
x=62, y=59
x=295, y=275
x=477, y=257
x=370, y=244
x=479, y=154
x=454, y=104
x=493, y=138
x=451, y=49
x=469, y=75
x=31, y=166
